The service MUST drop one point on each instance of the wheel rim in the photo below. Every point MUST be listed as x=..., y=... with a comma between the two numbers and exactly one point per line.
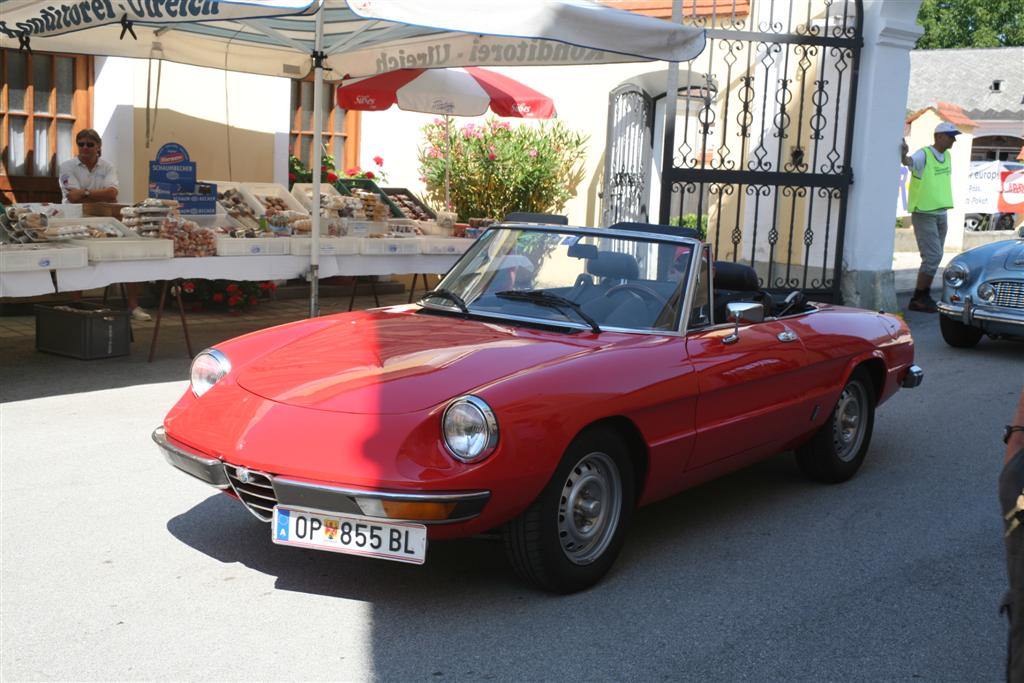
x=589, y=508
x=850, y=421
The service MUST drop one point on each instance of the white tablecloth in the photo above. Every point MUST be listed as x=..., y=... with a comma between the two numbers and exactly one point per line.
x=26, y=283
x=101, y=274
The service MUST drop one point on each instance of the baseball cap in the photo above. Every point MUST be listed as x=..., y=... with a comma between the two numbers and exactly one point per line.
x=947, y=128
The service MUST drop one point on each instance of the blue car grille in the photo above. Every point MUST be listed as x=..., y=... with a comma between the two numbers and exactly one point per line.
x=1009, y=293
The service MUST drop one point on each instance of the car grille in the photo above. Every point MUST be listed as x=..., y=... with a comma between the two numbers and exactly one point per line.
x=257, y=492
x=1009, y=293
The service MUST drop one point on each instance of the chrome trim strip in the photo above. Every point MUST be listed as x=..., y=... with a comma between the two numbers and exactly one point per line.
x=914, y=377
x=202, y=467
x=977, y=313
x=340, y=500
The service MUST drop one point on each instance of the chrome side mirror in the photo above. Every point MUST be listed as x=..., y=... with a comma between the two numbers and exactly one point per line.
x=747, y=312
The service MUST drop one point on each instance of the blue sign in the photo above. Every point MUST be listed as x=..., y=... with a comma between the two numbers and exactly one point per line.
x=172, y=175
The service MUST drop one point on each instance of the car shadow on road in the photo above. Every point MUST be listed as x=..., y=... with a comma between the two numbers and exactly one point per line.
x=222, y=529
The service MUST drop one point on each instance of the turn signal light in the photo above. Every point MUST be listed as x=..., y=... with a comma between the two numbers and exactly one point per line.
x=425, y=511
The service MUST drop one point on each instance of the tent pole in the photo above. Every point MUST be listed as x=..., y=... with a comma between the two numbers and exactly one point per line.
x=447, y=157
x=318, y=126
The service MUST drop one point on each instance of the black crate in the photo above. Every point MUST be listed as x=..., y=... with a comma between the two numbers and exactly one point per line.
x=82, y=330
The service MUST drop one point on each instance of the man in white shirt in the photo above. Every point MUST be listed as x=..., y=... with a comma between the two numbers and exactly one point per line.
x=88, y=178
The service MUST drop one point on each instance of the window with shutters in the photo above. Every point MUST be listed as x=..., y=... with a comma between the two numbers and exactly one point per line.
x=340, y=129
x=45, y=99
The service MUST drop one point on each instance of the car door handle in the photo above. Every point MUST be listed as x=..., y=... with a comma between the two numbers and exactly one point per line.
x=787, y=336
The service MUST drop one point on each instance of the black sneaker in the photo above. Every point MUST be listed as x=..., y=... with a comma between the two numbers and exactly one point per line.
x=923, y=304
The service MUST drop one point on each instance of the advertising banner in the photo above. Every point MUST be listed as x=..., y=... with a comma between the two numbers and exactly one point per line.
x=991, y=187
x=172, y=175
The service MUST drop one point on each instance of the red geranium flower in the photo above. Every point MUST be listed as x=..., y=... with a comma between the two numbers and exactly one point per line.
x=188, y=286
x=232, y=287
x=217, y=296
x=378, y=161
x=332, y=177
x=492, y=156
x=352, y=171
x=233, y=301
x=292, y=177
x=369, y=174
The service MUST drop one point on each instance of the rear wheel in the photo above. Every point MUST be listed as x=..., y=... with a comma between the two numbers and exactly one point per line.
x=571, y=534
x=837, y=451
x=959, y=335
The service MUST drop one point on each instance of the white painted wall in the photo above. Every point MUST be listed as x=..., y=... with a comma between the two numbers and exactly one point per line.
x=113, y=97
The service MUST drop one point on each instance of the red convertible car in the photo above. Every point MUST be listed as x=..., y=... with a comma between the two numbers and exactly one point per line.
x=556, y=379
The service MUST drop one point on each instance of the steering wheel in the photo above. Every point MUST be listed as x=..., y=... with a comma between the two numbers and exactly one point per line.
x=641, y=292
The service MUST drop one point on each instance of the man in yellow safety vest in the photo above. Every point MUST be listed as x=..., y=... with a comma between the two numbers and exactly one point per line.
x=931, y=193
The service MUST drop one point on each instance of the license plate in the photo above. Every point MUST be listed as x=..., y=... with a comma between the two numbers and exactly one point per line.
x=351, y=534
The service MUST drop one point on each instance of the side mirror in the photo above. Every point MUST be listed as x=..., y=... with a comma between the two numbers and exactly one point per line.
x=747, y=312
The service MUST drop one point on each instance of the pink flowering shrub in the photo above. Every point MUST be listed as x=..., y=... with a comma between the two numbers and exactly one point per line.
x=496, y=168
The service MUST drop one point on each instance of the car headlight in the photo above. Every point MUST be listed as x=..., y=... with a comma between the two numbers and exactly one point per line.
x=470, y=429
x=987, y=292
x=955, y=274
x=207, y=369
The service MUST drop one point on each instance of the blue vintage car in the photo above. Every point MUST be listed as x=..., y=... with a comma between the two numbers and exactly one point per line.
x=983, y=293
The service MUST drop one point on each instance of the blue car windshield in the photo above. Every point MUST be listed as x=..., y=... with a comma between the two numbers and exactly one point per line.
x=570, y=278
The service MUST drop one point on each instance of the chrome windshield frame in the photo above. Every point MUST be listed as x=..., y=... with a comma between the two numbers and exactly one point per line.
x=605, y=233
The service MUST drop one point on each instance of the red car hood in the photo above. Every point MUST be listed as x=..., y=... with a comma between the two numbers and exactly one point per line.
x=398, y=362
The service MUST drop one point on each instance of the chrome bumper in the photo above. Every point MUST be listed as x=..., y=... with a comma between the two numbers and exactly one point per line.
x=971, y=312
x=202, y=467
x=914, y=377
x=322, y=497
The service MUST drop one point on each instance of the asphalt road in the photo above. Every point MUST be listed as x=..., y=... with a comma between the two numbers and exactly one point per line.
x=116, y=567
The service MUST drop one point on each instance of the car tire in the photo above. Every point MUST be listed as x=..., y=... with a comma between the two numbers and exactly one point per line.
x=837, y=450
x=956, y=334
x=565, y=553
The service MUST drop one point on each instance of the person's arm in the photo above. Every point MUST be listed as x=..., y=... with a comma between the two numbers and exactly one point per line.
x=1016, y=442
x=106, y=194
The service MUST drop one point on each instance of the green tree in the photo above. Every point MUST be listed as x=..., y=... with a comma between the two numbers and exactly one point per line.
x=971, y=23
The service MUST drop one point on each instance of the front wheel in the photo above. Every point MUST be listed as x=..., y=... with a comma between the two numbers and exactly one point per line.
x=956, y=334
x=571, y=534
x=838, y=449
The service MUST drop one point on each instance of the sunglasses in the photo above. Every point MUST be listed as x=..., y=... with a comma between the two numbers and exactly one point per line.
x=86, y=144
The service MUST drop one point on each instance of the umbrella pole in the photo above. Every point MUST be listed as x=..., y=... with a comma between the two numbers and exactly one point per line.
x=447, y=156
x=318, y=125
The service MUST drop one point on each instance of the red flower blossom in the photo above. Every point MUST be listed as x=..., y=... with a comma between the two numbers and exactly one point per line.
x=232, y=287
x=217, y=296
x=352, y=171
x=292, y=177
x=332, y=177
x=234, y=301
x=492, y=156
x=188, y=286
x=369, y=174
x=379, y=161
x=323, y=168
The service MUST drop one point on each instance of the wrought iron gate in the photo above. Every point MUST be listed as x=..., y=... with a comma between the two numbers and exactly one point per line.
x=628, y=159
x=760, y=150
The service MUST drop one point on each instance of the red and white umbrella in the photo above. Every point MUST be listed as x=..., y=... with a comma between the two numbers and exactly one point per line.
x=467, y=91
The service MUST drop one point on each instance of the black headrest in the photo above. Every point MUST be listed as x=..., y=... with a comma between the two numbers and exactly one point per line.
x=735, y=276
x=527, y=217
x=614, y=264
x=656, y=229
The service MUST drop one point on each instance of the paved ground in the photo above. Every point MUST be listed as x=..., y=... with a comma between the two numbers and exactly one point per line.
x=116, y=567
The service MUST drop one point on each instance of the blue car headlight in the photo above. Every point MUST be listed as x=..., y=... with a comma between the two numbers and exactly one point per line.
x=470, y=429
x=956, y=274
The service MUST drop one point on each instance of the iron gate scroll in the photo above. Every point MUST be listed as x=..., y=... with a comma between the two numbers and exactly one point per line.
x=628, y=159
x=760, y=149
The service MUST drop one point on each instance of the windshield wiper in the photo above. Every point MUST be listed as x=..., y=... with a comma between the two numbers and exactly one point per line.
x=544, y=298
x=450, y=296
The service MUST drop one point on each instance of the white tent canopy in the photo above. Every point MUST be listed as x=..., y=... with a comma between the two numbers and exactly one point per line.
x=361, y=37
x=346, y=38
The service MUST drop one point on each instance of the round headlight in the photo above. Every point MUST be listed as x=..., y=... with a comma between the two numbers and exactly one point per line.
x=987, y=292
x=207, y=369
x=470, y=429
x=955, y=274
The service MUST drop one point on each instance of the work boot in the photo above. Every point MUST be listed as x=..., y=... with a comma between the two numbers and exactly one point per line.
x=923, y=303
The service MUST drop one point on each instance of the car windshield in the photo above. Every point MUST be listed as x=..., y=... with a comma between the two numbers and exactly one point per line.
x=574, y=278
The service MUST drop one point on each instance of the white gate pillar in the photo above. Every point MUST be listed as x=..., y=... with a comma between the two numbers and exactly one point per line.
x=890, y=32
